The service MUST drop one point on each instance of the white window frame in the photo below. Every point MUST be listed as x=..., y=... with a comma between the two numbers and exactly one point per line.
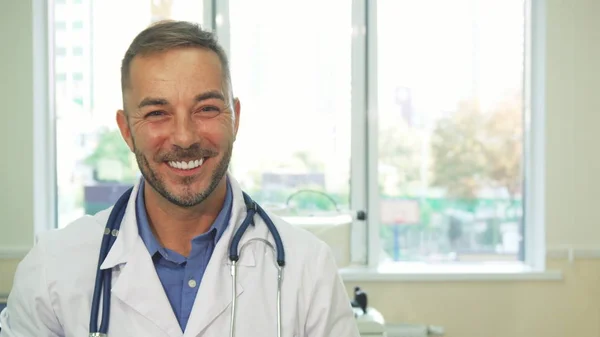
x=534, y=264
x=535, y=141
x=365, y=242
x=45, y=215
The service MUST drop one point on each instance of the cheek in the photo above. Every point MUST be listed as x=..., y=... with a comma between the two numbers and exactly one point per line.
x=220, y=139
x=218, y=134
x=149, y=140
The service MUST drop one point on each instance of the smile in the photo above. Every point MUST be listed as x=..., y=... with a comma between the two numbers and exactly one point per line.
x=186, y=165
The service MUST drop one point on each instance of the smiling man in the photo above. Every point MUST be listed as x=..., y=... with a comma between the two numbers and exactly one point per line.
x=168, y=269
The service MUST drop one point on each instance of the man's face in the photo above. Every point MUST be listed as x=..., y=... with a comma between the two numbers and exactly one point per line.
x=179, y=122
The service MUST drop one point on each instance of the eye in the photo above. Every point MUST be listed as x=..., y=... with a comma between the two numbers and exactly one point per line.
x=209, y=111
x=156, y=113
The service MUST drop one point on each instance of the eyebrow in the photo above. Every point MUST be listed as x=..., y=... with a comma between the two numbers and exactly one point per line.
x=154, y=101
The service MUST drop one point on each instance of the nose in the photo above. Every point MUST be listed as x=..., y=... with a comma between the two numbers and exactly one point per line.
x=184, y=134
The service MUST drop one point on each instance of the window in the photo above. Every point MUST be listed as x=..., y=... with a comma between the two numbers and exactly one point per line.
x=450, y=138
x=93, y=161
x=77, y=25
x=409, y=120
x=60, y=25
x=293, y=80
x=77, y=77
x=61, y=51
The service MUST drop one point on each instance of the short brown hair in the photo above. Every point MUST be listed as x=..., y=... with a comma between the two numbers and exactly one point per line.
x=170, y=34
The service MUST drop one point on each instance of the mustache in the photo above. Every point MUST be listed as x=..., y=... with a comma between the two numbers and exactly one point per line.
x=191, y=153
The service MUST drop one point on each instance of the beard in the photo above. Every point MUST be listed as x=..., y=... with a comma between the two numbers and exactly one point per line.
x=187, y=198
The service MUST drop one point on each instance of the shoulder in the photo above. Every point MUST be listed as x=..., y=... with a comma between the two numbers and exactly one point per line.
x=81, y=235
x=323, y=296
x=60, y=260
x=67, y=250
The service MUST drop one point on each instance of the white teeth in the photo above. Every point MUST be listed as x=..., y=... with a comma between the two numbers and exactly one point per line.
x=182, y=165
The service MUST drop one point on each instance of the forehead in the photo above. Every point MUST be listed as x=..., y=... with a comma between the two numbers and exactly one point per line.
x=175, y=71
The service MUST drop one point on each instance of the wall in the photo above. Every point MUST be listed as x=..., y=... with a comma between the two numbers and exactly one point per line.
x=498, y=308
x=16, y=130
x=16, y=133
x=570, y=307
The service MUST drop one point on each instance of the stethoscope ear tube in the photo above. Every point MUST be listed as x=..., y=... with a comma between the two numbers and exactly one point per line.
x=251, y=208
x=276, y=236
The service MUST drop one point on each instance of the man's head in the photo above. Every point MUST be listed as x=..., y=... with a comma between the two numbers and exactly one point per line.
x=179, y=116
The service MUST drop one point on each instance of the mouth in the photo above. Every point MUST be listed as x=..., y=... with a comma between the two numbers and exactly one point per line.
x=186, y=167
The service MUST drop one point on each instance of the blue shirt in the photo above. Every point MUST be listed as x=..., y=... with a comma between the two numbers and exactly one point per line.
x=181, y=276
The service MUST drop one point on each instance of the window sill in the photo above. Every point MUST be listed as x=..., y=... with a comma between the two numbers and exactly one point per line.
x=335, y=219
x=423, y=272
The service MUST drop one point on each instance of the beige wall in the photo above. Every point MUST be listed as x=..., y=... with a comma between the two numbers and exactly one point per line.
x=567, y=308
x=16, y=128
x=570, y=307
x=16, y=132
x=573, y=105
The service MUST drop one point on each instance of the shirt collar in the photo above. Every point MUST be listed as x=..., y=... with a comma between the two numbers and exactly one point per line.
x=152, y=244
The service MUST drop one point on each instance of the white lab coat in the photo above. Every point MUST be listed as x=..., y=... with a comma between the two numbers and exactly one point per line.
x=54, y=283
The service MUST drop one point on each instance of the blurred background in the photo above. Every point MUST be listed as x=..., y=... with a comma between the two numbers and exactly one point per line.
x=443, y=148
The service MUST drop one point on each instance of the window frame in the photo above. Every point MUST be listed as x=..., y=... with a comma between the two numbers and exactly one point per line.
x=365, y=238
x=45, y=215
x=364, y=194
x=534, y=261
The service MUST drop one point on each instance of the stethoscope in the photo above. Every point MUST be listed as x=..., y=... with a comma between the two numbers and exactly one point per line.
x=103, y=277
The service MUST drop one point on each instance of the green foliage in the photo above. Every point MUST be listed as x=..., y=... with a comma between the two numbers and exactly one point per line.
x=472, y=149
x=111, y=146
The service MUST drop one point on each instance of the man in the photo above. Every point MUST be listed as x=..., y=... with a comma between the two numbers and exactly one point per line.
x=169, y=262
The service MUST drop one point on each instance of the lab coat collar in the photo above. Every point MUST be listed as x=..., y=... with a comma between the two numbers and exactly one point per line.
x=138, y=276
x=128, y=235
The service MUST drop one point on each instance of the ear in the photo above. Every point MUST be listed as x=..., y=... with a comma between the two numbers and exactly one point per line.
x=236, y=111
x=123, y=124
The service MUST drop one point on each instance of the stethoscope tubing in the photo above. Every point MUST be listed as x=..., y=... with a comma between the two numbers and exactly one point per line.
x=104, y=277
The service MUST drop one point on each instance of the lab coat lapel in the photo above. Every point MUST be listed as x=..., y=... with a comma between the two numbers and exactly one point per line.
x=215, y=293
x=128, y=235
x=136, y=283
x=139, y=287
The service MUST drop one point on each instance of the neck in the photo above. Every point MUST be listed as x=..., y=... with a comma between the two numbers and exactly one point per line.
x=175, y=226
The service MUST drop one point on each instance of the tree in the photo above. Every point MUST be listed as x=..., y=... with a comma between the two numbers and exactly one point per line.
x=112, y=148
x=473, y=149
x=504, y=147
x=458, y=162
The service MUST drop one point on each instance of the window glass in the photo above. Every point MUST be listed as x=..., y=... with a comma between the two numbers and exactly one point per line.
x=292, y=76
x=94, y=164
x=450, y=91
